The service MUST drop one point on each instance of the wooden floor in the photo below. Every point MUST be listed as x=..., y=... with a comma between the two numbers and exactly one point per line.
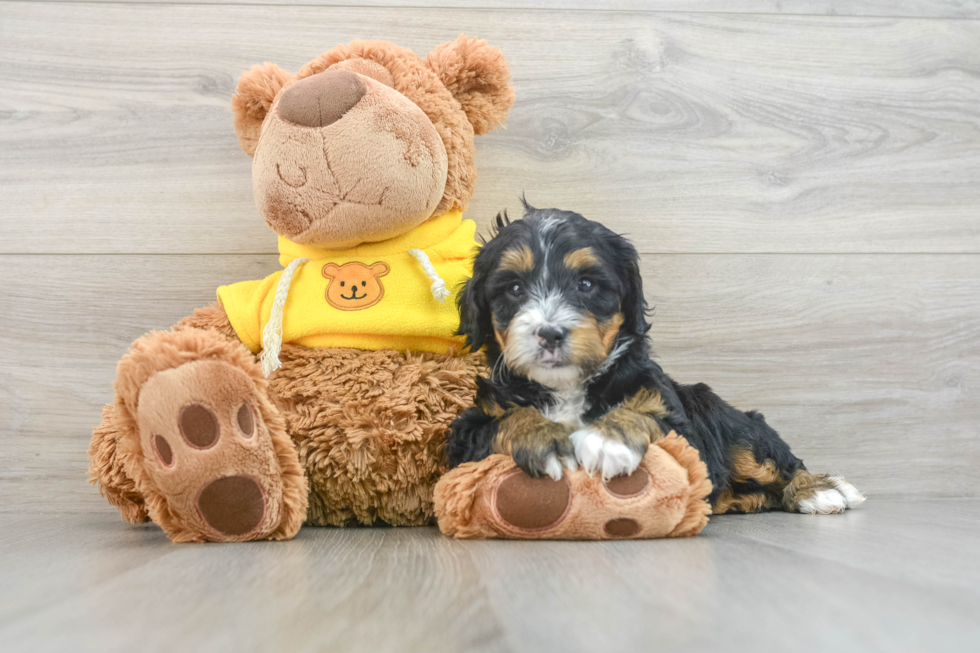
x=895, y=576
x=801, y=177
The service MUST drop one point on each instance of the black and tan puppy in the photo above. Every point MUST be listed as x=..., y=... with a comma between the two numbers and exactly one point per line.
x=557, y=301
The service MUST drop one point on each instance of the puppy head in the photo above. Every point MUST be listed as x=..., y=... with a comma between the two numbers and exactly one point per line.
x=555, y=294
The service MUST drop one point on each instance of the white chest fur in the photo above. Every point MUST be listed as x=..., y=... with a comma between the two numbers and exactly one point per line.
x=569, y=407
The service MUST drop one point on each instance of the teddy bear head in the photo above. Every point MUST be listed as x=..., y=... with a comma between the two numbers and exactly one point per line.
x=368, y=140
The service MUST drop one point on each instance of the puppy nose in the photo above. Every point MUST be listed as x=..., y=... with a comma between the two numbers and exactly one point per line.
x=552, y=336
x=322, y=99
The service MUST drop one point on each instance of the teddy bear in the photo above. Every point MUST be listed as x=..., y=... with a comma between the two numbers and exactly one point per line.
x=323, y=392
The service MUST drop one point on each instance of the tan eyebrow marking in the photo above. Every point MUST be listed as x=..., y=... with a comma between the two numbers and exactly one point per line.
x=520, y=259
x=581, y=258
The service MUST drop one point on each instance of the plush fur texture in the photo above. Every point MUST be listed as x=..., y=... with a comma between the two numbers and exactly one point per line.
x=107, y=469
x=557, y=302
x=370, y=427
x=380, y=143
x=666, y=497
x=477, y=76
x=257, y=90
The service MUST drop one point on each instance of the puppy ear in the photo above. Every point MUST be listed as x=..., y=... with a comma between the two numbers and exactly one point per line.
x=478, y=77
x=475, y=321
x=256, y=91
x=634, y=304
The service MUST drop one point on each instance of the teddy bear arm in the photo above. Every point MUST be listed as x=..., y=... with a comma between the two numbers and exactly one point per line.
x=211, y=317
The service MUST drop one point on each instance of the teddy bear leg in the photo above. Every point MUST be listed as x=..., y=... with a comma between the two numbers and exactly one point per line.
x=203, y=444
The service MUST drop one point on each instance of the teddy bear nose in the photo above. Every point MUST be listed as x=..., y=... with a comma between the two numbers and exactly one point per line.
x=322, y=99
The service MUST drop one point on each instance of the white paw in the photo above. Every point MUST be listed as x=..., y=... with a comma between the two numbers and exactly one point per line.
x=830, y=502
x=851, y=494
x=823, y=502
x=553, y=466
x=598, y=454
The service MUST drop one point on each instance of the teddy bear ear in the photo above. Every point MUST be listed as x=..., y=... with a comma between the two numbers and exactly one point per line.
x=256, y=91
x=478, y=77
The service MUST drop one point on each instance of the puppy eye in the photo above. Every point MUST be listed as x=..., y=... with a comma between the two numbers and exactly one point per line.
x=585, y=285
x=364, y=283
x=341, y=284
x=516, y=290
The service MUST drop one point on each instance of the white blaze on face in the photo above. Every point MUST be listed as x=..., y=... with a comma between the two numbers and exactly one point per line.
x=545, y=227
x=524, y=353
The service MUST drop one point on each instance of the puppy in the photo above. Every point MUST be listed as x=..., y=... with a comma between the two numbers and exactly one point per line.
x=557, y=302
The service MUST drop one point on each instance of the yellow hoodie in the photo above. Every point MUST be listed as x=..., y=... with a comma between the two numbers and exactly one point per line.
x=373, y=296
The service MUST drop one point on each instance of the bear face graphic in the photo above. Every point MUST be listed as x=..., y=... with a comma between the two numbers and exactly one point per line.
x=354, y=285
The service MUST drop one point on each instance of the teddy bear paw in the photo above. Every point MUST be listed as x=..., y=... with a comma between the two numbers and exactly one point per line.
x=209, y=453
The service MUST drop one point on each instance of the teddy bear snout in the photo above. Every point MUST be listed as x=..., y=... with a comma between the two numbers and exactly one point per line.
x=322, y=99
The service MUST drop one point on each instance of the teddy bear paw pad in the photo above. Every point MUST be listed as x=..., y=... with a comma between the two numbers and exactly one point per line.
x=631, y=485
x=233, y=505
x=531, y=503
x=208, y=452
x=622, y=527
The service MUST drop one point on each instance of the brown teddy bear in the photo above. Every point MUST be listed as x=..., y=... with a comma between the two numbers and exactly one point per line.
x=323, y=392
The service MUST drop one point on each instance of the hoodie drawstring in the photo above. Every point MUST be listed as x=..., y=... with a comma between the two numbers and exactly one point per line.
x=438, y=289
x=272, y=334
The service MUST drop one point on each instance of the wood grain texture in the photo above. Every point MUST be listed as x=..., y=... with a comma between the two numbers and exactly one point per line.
x=886, y=8
x=868, y=365
x=748, y=583
x=693, y=132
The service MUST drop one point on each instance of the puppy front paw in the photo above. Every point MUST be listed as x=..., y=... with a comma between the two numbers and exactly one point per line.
x=544, y=452
x=538, y=446
x=596, y=452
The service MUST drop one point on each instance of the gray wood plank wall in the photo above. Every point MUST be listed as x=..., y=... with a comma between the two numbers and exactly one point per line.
x=888, y=8
x=805, y=189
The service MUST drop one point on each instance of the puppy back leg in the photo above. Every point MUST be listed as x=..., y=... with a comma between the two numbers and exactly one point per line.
x=753, y=459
